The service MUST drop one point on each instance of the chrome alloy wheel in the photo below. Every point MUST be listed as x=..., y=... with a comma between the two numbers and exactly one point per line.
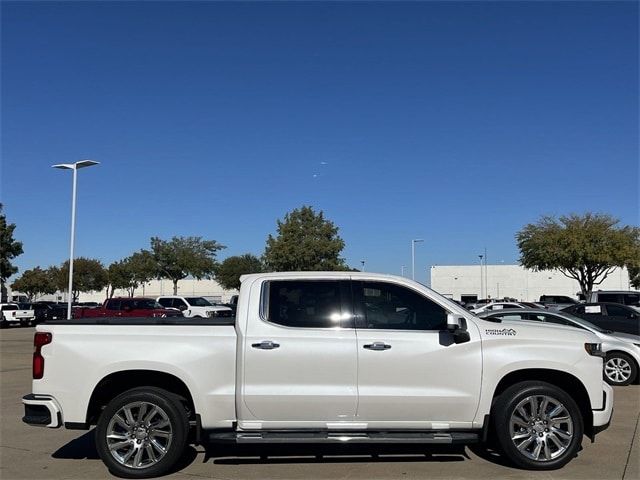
x=541, y=428
x=617, y=370
x=139, y=435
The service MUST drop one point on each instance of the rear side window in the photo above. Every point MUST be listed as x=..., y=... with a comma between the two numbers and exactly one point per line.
x=391, y=306
x=610, y=297
x=304, y=304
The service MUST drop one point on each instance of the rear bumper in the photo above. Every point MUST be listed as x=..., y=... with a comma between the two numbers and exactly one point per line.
x=602, y=416
x=41, y=411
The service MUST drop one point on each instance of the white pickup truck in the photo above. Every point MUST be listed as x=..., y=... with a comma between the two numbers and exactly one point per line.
x=320, y=357
x=194, y=307
x=11, y=313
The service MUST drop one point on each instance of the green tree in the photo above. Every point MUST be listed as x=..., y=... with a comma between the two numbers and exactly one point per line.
x=89, y=275
x=35, y=282
x=585, y=247
x=130, y=272
x=181, y=257
x=306, y=241
x=9, y=249
x=229, y=272
x=634, y=276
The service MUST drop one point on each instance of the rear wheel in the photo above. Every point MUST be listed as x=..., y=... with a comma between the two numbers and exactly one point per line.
x=539, y=426
x=142, y=433
x=619, y=369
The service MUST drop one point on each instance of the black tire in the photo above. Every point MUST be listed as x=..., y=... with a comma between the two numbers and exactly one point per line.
x=544, y=431
x=24, y=323
x=176, y=415
x=619, y=369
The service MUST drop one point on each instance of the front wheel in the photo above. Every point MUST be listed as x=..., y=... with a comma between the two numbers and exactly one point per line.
x=619, y=369
x=539, y=426
x=142, y=433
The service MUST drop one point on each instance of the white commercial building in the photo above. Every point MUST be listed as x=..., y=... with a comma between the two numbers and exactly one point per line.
x=467, y=283
x=188, y=287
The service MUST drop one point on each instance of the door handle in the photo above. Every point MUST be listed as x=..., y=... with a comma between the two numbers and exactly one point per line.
x=265, y=345
x=377, y=346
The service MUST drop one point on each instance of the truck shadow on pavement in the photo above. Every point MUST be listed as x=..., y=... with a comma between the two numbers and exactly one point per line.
x=84, y=447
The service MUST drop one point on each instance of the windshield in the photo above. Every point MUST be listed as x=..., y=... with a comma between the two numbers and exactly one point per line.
x=198, y=302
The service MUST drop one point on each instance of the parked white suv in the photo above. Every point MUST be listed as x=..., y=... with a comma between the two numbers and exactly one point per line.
x=323, y=357
x=194, y=307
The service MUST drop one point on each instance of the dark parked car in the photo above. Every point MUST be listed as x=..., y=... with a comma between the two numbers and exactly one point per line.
x=49, y=311
x=610, y=316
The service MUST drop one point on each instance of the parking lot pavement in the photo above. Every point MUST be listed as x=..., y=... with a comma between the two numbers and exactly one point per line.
x=30, y=452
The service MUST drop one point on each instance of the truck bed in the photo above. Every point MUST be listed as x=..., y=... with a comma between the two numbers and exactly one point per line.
x=225, y=321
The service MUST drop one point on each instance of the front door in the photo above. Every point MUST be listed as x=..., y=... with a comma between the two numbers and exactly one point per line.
x=410, y=373
x=300, y=360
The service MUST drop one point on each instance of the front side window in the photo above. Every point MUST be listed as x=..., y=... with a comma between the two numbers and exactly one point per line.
x=165, y=302
x=616, y=311
x=391, y=306
x=304, y=303
x=113, y=305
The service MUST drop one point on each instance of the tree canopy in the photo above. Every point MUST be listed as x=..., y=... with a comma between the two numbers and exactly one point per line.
x=229, y=272
x=36, y=282
x=130, y=272
x=585, y=247
x=634, y=276
x=9, y=249
x=88, y=275
x=181, y=257
x=306, y=241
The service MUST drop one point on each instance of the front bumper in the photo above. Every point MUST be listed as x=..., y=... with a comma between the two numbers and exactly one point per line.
x=602, y=416
x=41, y=411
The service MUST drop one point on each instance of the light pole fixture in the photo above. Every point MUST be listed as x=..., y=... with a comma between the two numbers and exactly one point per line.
x=481, y=275
x=362, y=262
x=75, y=167
x=413, y=256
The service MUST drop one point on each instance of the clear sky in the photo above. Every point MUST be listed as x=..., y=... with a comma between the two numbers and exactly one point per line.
x=453, y=122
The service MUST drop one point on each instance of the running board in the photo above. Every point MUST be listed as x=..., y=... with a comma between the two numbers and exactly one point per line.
x=444, y=438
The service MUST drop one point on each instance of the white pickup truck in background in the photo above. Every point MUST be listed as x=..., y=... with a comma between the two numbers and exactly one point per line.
x=11, y=313
x=320, y=357
x=194, y=307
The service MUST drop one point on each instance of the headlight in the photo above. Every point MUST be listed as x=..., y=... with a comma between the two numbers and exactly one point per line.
x=594, y=349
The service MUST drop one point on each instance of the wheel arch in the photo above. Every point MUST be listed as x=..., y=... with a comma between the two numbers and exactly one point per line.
x=118, y=382
x=563, y=380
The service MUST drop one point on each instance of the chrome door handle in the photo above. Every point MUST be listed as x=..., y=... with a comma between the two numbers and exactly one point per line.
x=265, y=345
x=377, y=346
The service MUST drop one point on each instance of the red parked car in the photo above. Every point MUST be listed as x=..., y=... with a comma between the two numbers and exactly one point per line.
x=127, y=307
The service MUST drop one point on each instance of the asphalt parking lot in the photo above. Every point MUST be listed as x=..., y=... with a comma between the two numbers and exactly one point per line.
x=30, y=453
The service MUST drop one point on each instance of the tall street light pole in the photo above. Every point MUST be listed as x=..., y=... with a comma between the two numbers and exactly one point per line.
x=413, y=256
x=481, y=275
x=75, y=167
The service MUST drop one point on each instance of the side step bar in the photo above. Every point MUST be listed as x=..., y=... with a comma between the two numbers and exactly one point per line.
x=444, y=438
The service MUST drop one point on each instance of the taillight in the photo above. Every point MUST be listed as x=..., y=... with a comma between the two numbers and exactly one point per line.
x=39, y=340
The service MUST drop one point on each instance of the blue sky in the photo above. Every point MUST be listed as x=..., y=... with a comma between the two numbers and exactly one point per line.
x=454, y=122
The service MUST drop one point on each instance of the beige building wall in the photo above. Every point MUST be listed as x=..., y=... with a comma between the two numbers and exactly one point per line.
x=513, y=281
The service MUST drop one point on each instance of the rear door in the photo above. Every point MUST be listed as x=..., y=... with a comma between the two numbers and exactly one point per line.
x=300, y=361
x=410, y=373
